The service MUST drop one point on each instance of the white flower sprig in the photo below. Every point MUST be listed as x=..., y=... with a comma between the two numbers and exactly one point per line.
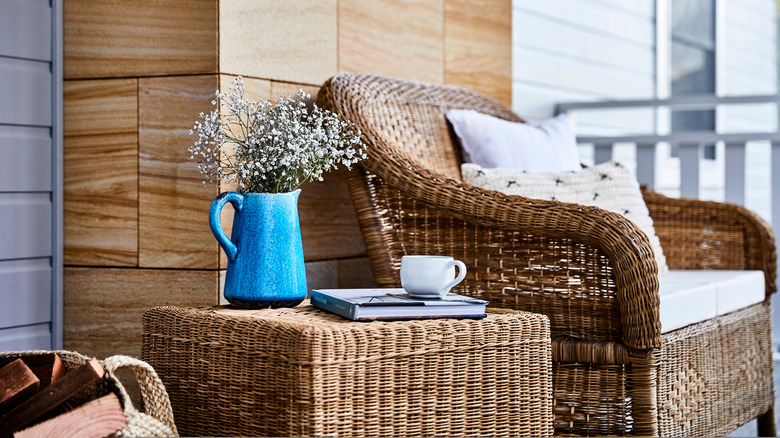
x=277, y=146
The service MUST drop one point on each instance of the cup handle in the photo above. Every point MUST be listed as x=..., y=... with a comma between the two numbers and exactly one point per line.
x=461, y=274
x=237, y=201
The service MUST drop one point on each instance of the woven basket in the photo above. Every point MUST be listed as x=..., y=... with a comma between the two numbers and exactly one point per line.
x=304, y=372
x=156, y=421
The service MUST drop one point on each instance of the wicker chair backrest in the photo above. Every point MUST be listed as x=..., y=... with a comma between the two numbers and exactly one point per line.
x=409, y=116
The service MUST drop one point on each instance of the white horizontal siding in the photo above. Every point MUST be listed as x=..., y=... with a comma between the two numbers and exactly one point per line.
x=30, y=105
x=748, y=61
x=594, y=17
x=25, y=92
x=25, y=29
x=585, y=50
x=30, y=168
x=25, y=292
x=29, y=337
x=25, y=225
x=581, y=44
x=640, y=8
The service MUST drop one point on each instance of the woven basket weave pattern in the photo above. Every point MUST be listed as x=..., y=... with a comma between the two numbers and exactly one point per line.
x=157, y=418
x=590, y=271
x=304, y=372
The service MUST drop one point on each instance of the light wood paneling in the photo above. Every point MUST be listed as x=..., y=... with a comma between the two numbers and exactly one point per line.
x=112, y=38
x=101, y=172
x=322, y=275
x=478, y=46
x=103, y=306
x=173, y=203
x=391, y=37
x=289, y=89
x=329, y=225
x=355, y=273
x=286, y=40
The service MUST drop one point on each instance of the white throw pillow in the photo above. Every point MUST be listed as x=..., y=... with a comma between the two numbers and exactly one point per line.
x=547, y=146
x=610, y=186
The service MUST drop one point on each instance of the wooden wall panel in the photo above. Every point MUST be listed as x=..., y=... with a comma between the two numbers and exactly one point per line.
x=286, y=40
x=173, y=203
x=101, y=172
x=391, y=37
x=103, y=306
x=289, y=89
x=329, y=225
x=116, y=38
x=355, y=273
x=478, y=46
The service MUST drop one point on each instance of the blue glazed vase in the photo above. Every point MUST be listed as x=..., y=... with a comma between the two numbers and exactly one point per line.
x=265, y=253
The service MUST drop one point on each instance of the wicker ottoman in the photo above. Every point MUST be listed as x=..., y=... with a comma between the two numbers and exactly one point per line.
x=305, y=372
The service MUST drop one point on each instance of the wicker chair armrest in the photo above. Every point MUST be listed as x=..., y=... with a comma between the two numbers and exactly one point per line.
x=698, y=234
x=627, y=248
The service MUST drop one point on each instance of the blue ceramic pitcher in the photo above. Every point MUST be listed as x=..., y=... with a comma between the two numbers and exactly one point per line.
x=265, y=253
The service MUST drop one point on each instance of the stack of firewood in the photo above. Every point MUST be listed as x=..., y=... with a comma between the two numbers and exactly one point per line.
x=39, y=399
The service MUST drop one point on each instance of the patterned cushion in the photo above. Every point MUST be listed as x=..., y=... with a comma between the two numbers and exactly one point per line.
x=610, y=186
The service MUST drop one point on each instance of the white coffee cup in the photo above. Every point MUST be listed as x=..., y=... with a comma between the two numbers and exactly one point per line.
x=424, y=276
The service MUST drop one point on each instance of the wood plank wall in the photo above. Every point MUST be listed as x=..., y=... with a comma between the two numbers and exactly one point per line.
x=137, y=75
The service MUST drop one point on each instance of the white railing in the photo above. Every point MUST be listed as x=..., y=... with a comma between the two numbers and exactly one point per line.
x=690, y=146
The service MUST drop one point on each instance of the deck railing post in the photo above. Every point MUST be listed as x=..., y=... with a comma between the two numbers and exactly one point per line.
x=690, y=156
x=735, y=173
x=602, y=152
x=645, y=164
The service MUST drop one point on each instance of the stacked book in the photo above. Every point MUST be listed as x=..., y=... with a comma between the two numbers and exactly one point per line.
x=391, y=304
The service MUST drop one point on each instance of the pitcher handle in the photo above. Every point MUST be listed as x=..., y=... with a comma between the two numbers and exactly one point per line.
x=235, y=199
x=461, y=274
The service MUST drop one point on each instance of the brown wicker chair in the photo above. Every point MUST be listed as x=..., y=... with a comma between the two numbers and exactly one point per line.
x=590, y=271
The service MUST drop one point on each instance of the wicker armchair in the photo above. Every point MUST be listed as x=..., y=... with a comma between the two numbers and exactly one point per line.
x=590, y=271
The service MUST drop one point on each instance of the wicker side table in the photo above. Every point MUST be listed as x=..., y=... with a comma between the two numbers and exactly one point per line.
x=305, y=372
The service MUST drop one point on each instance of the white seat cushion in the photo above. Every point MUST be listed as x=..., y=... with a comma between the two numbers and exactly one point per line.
x=691, y=296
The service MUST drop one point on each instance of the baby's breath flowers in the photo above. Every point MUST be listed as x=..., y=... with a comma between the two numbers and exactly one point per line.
x=266, y=147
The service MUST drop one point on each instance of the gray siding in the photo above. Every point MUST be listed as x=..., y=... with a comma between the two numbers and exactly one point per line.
x=30, y=183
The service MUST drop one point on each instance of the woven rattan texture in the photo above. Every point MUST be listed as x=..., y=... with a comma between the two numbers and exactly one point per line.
x=713, y=235
x=304, y=372
x=401, y=187
x=719, y=370
x=591, y=272
x=511, y=269
x=156, y=420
